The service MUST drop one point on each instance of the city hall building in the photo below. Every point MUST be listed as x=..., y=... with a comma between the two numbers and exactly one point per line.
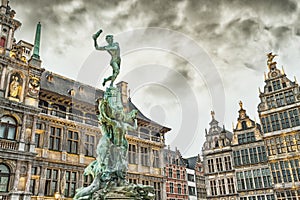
x=49, y=128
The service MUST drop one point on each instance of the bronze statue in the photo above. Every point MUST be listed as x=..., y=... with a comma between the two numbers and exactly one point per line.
x=114, y=50
x=110, y=167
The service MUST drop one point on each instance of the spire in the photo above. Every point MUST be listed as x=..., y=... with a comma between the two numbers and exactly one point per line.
x=36, y=50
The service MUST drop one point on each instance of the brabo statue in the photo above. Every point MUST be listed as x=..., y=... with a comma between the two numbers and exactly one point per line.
x=114, y=50
x=110, y=168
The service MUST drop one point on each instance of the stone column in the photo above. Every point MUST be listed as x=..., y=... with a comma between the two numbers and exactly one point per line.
x=17, y=176
x=151, y=160
x=138, y=151
x=42, y=181
x=22, y=134
x=64, y=143
x=80, y=180
x=46, y=141
x=32, y=141
x=2, y=87
x=27, y=186
x=81, y=146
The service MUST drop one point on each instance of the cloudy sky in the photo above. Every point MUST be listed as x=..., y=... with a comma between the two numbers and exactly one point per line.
x=181, y=59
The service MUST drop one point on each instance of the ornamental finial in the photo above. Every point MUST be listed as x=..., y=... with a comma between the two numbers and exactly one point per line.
x=241, y=104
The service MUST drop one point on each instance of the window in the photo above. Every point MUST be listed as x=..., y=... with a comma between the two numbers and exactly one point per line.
x=37, y=140
x=227, y=163
x=222, y=188
x=179, y=188
x=237, y=158
x=156, y=158
x=8, y=127
x=192, y=190
x=144, y=156
x=178, y=173
x=71, y=179
x=213, y=188
x=276, y=85
x=132, y=154
x=55, y=139
x=170, y=172
x=219, y=164
x=89, y=145
x=72, y=142
x=191, y=177
x=289, y=97
x=4, y=178
x=157, y=190
x=210, y=165
x=171, y=188
x=32, y=186
x=51, y=185
x=87, y=180
x=230, y=183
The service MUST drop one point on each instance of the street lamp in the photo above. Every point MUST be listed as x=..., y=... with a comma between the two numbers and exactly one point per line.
x=57, y=195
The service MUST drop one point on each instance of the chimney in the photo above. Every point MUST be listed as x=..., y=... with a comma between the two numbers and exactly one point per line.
x=122, y=86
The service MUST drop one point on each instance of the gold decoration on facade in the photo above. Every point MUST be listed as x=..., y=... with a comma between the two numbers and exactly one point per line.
x=270, y=62
x=15, y=87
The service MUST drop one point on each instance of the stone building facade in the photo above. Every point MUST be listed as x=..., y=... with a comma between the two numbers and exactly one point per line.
x=49, y=129
x=279, y=112
x=250, y=160
x=217, y=161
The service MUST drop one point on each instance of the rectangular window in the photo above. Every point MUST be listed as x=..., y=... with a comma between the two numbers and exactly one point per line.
x=276, y=85
x=89, y=145
x=156, y=158
x=178, y=174
x=227, y=163
x=191, y=177
x=72, y=142
x=132, y=154
x=192, y=190
x=71, y=179
x=51, y=185
x=210, y=165
x=171, y=188
x=213, y=188
x=179, y=188
x=231, y=187
x=170, y=172
x=37, y=140
x=219, y=164
x=55, y=139
x=222, y=188
x=144, y=156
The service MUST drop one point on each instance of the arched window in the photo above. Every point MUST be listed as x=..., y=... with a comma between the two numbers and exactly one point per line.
x=8, y=127
x=4, y=178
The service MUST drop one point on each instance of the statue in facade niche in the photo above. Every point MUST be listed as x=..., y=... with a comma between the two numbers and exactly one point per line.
x=114, y=50
x=110, y=167
x=14, y=86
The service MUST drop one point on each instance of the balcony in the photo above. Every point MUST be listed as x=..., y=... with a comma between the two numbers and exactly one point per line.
x=77, y=117
x=6, y=144
x=145, y=136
